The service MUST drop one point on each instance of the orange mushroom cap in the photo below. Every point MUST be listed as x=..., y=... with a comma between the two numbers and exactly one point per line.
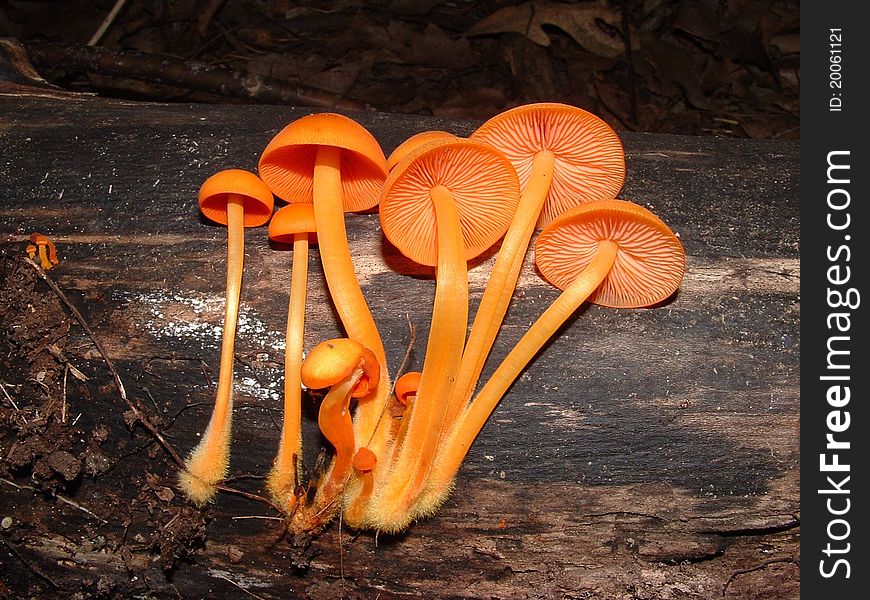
x=364, y=460
x=287, y=163
x=481, y=181
x=291, y=220
x=589, y=157
x=650, y=261
x=334, y=360
x=406, y=386
x=258, y=199
x=414, y=142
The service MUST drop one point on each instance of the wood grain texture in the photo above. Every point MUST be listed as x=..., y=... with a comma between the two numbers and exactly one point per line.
x=644, y=454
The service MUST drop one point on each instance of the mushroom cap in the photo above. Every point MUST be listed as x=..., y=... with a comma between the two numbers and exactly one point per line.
x=292, y=219
x=482, y=182
x=650, y=262
x=287, y=163
x=364, y=460
x=332, y=361
x=215, y=191
x=590, y=160
x=414, y=142
x=407, y=385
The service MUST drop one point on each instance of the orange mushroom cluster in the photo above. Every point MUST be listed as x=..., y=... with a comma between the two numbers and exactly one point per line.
x=45, y=248
x=443, y=200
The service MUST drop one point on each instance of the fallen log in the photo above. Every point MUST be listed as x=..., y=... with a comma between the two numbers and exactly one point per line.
x=646, y=453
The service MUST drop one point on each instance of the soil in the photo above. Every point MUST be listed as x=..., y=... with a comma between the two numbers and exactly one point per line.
x=714, y=67
x=49, y=452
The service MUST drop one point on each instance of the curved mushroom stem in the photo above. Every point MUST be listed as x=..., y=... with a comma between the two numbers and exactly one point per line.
x=502, y=281
x=336, y=425
x=208, y=463
x=425, y=417
x=286, y=470
x=459, y=440
x=344, y=287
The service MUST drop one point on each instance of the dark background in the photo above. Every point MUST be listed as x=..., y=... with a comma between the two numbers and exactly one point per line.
x=707, y=67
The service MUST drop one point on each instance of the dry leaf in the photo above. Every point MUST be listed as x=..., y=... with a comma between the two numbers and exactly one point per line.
x=579, y=21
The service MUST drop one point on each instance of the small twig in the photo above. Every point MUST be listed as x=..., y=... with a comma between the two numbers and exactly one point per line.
x=244, y=476
x=63, y=499
x=412, y=335
x=250, y=593
x=150, y=397
x=63, y=405
x=3, y=385
x=85, y=510
x=206, y=374
x=140, y=416
x=186, y=407
x=263, y=517
x=248, y=495
x=107, y=22
x=246, y=362
x=13, y=484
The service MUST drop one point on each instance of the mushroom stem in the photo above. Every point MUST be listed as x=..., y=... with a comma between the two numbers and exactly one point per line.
x=425, y=417
x=502, y=281
x=43, y=258
x=342, y=281
x=472, y=420
x=287, y=467
x=336, y=425
x=208, y=463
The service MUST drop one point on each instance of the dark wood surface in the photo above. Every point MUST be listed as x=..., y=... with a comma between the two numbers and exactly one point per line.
x=644, y=454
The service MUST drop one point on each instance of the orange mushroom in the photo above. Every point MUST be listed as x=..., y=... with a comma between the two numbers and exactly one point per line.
x=237, y=199
x=44, y=246
x=406, y=387
x=364, y=461
x=444, y=204
x=563, y=156
x=415, y=141
x=292, y=224
x=610, y=252
x=333, y=162
x=350, y=371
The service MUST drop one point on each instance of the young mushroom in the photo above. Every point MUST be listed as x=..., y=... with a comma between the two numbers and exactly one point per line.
x=350, y=371
x=363, y=462
x=292, y=224
x=337, y=165
x=444, y=204
x=237, y=199
x=406, y=387
x=563, y=156
x=611, y=252
x=45, y=247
